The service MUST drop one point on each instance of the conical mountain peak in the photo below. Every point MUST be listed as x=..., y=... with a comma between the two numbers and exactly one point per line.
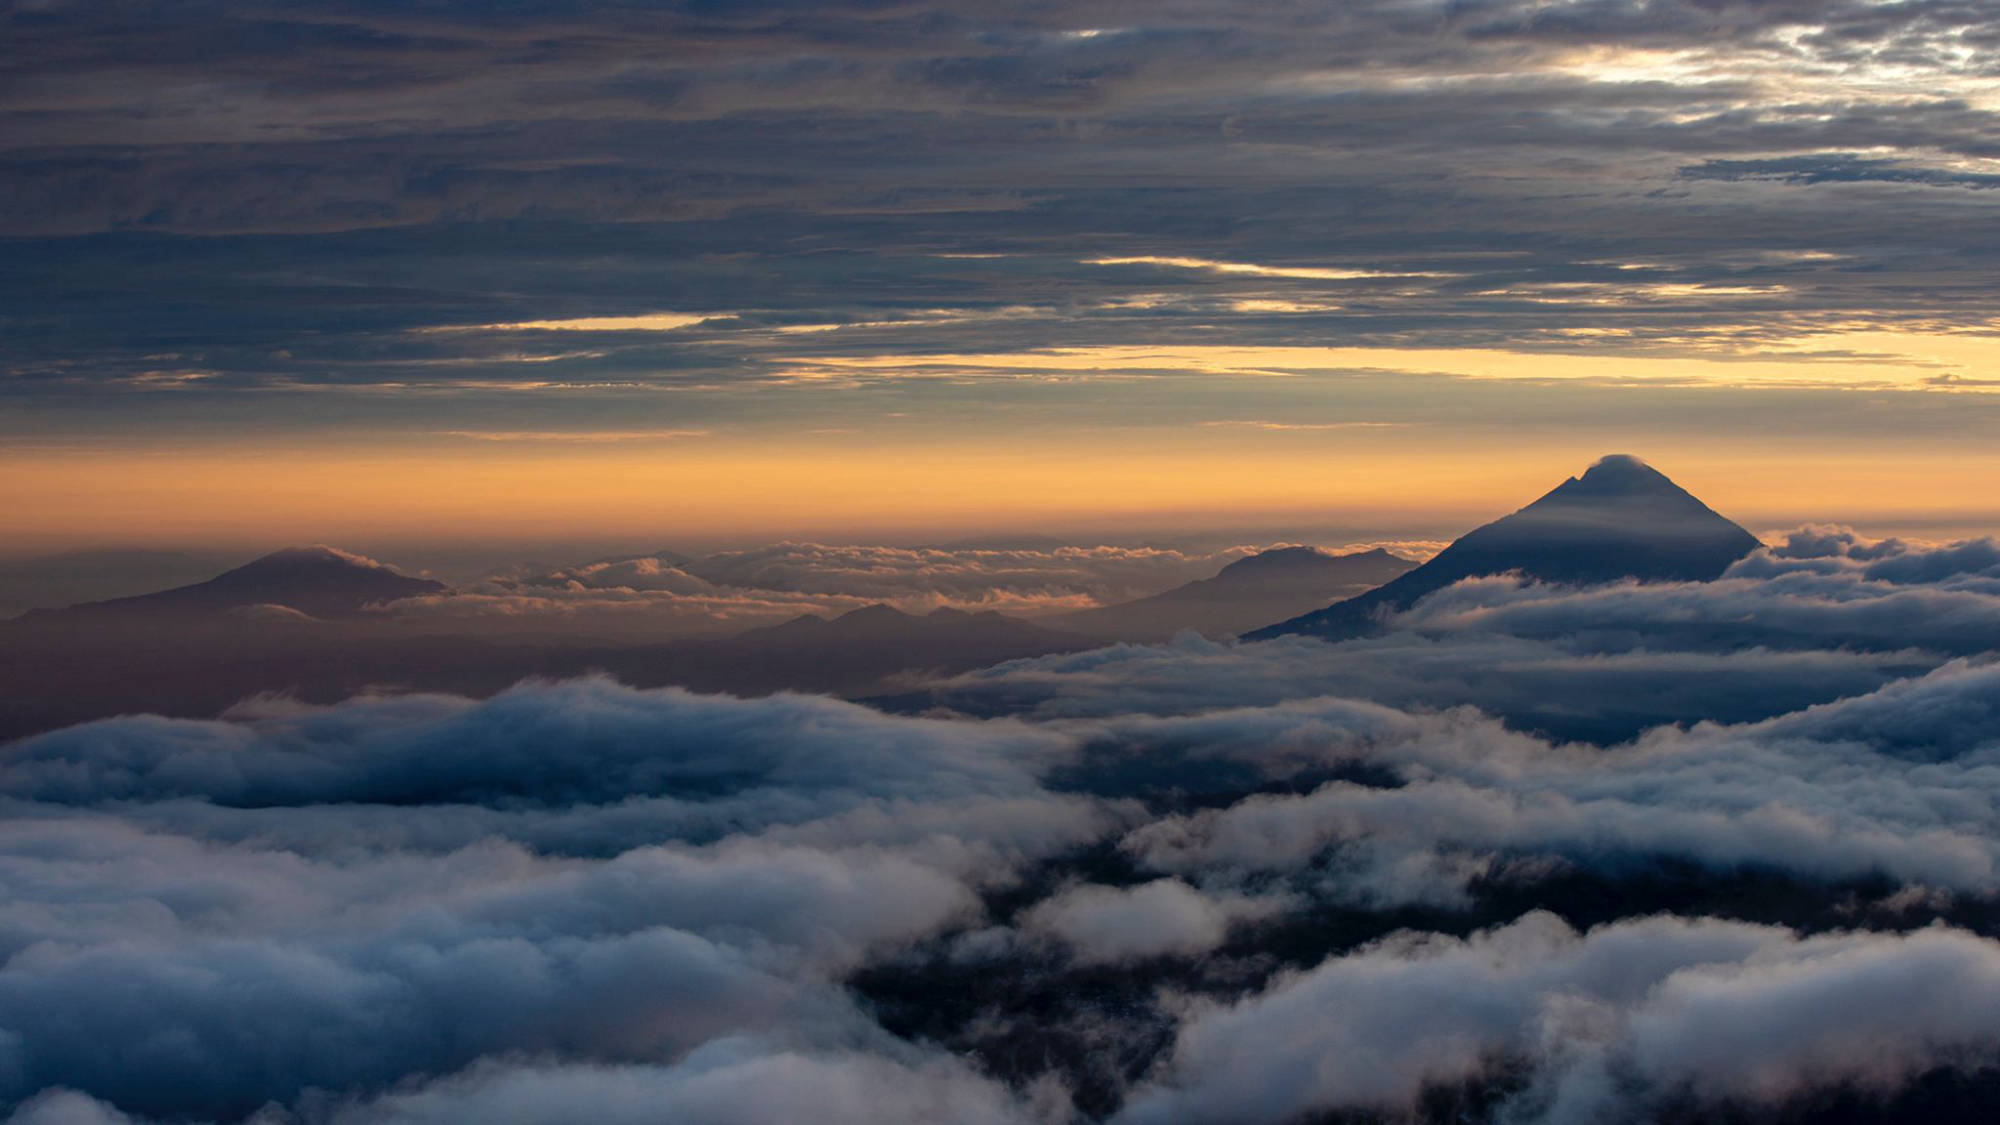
x=318, y=580
x=1626, y=496
x=1621, y=519
x=1267, y=586
x=1276, y=559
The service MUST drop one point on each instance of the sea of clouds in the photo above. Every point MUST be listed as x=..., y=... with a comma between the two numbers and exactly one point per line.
x=1534, y=855
x=667, y=594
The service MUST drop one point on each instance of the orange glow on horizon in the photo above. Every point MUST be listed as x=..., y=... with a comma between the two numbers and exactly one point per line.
x=707, y=489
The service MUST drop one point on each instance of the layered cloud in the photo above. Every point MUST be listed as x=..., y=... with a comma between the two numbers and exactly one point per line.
x=1610, y=1020
x=658, y=595
x=1165, y=917
x=1195, y=881
x=1786, y=628
x=396, y=918
x=1829, y=792
x=1064, y=576
x=591, y=207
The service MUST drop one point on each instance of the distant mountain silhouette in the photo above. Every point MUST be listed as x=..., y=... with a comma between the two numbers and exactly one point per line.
x=854, y=652
x=1263, y=587
x=57, y=669
x=318, y=581
x=1621, y=519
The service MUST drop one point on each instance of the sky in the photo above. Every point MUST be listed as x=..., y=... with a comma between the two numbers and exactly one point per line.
x=706, y=273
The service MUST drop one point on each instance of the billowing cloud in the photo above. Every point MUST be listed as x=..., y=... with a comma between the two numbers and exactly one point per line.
x=1780, y=632
x=1611, y=1020
x=386, y=922
x=1069, y=577
x=1190, y=881
x=727, y=1082
x=1165, y=917
x=665, y=595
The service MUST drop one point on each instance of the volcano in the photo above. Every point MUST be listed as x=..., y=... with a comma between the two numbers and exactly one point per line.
x=317, y=581
x=1621, y=519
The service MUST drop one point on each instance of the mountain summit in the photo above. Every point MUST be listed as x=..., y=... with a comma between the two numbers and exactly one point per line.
x=320, y=581
x=1621, y=519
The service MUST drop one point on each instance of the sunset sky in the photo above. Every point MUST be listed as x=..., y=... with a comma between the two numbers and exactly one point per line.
x=713, y=272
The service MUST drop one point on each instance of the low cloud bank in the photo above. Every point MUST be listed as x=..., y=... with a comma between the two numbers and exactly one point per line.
x=769, y=584
x=1195, y=881
x=1786, y=628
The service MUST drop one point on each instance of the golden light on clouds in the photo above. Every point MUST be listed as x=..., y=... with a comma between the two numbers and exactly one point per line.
x=571, y=437
x=1945, y=66
x=649, y=322
x=1862, y=358
x=1251, y=269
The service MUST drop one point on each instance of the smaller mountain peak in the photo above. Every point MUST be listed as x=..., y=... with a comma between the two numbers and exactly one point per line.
x=319, y=581
x=1297, y=552
x=879, y=611
x=1272, y=561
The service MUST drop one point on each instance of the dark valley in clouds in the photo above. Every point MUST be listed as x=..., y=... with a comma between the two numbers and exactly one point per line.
x=1627, y=816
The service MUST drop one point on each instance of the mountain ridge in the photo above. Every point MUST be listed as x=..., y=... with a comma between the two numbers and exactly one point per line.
x=1252, y=589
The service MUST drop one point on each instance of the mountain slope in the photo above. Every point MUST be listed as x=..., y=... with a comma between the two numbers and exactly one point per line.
x=1263, y=587
x=319, y=581
x=1620, y=519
